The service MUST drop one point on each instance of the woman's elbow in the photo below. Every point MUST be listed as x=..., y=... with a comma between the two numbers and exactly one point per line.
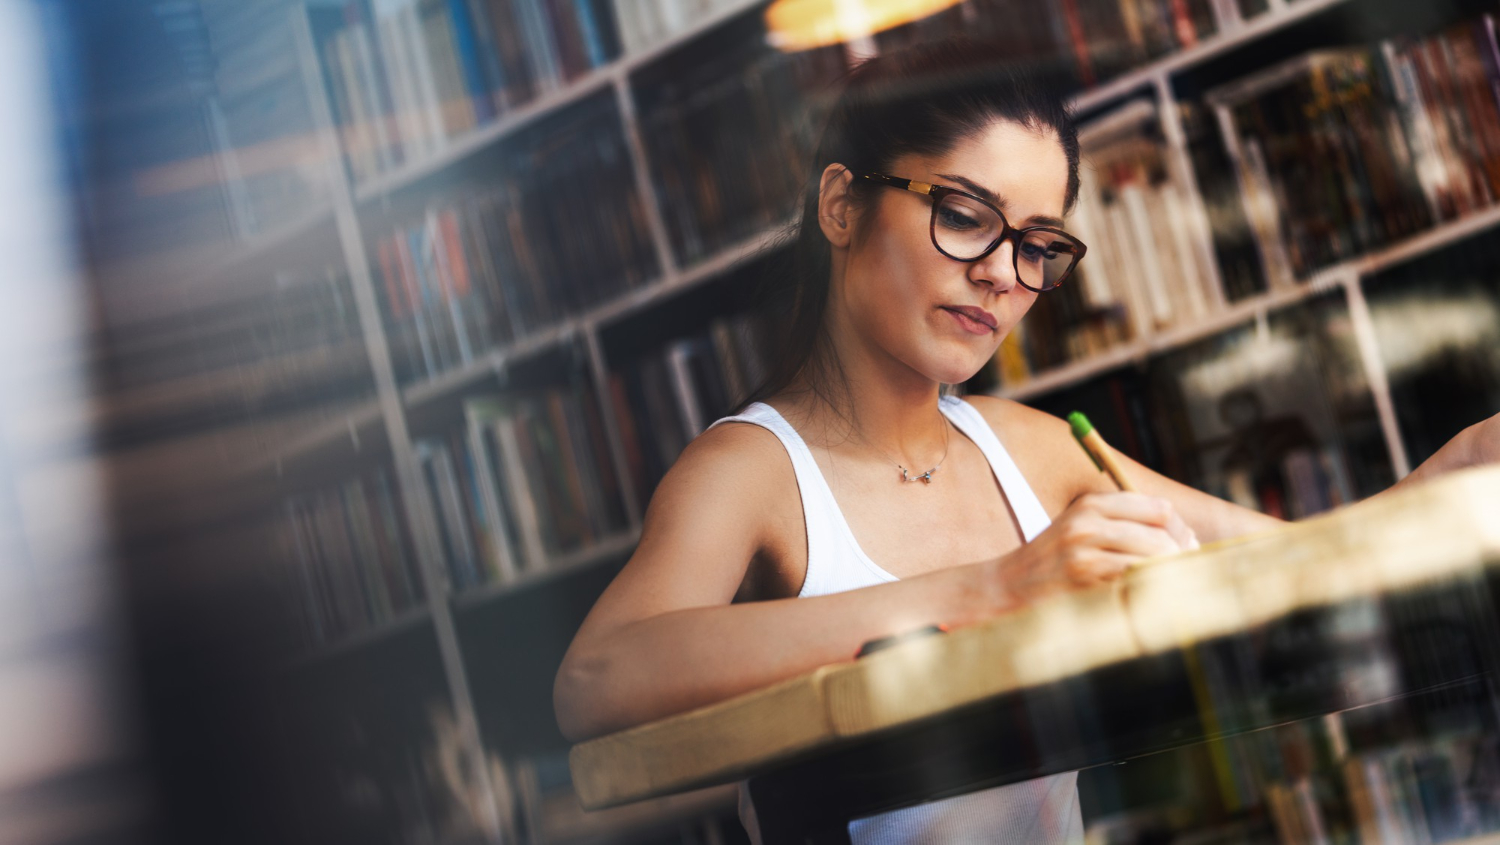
x=568, y=704
x=576, y=699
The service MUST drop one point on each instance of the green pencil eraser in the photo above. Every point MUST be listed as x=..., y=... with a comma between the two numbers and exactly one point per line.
x=1081, y=424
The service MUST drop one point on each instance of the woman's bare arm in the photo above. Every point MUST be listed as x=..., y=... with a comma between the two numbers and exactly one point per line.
x=1210, y=517
x=664, y=637
x=1475, y=446
x=1050, y=446
x=1213, y=518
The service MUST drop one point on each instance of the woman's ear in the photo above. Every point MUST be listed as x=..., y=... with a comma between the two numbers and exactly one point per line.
x=835, y=204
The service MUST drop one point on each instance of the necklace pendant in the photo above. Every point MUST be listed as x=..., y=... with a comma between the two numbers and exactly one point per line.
x=925, y=478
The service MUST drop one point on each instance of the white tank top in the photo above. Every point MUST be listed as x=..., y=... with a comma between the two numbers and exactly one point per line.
x=1044, y=810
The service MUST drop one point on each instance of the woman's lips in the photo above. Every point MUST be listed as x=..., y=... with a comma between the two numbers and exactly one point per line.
x=972, y=320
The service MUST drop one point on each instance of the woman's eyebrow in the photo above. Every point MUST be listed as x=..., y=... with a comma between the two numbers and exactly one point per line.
x=997, y=201
x=976, y=189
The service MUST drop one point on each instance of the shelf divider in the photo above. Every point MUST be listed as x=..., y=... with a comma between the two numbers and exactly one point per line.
x=415, y=499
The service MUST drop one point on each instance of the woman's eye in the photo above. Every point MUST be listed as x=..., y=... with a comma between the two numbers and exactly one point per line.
x=955, y=219
x=1036, y=252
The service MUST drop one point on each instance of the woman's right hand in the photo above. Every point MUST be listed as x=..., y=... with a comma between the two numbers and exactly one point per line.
x=1094, y=540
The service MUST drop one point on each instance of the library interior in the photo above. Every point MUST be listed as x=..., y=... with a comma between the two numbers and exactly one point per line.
x=329, y=424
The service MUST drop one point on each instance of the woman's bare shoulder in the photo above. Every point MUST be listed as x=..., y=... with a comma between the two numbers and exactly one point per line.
x=738, y=447
x=1007, y=416
x=739, y=466
x=724, y=504
x=1043, y=448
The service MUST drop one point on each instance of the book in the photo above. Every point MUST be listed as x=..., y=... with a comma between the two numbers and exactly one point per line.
x=351, y=567
x=490, y=471
x=471, y=64
x=670, y=393
x=376, y=96
x=456, y=531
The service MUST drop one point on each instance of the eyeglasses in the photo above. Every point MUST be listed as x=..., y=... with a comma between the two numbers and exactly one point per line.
x=966, y=228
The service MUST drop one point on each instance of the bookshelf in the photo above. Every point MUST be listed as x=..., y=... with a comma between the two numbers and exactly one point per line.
x=642, y=354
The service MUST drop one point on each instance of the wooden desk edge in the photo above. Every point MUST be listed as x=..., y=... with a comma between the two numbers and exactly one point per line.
x=773, y=725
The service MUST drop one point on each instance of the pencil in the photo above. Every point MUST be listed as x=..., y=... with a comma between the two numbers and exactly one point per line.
x=1099, y=451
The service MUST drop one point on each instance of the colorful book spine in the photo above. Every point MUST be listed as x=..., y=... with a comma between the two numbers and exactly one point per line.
x=471, y=64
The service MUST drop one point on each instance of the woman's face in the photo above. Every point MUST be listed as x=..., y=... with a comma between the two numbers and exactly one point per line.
x=899, y=297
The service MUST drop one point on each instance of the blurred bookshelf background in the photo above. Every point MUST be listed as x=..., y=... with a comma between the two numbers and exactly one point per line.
x=399, y=309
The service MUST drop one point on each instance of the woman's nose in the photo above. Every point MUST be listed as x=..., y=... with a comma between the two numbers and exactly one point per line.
x=997, y=270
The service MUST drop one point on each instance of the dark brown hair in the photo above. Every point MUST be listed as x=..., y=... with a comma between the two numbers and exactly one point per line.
x=922, y=100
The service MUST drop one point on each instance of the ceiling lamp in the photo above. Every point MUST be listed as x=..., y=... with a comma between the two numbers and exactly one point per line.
x=804, y=24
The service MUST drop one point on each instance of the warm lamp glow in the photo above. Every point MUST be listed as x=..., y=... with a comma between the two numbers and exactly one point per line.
x=804, y=24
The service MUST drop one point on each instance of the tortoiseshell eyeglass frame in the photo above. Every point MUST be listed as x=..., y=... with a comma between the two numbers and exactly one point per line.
x=1007, y=231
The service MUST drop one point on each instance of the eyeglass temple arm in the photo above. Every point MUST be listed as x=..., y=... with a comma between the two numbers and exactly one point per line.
x=909, y=184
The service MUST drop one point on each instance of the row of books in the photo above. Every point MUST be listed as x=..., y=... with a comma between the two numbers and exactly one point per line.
x=504, y=265
x=728, y=145
x=646, y=23
x=1059, y=328
x=1301, y=483
x=1336, y=161
x=1099, y=39
x=665, y=398
x=1446, y=89
x=1108, y=37
x=1435, y=792
x=1144, y=226
x=352, y=560
x=1145, y=271
x=1346, y=151
x=408, y=76
x=469, y=497
x=437, y=314
x=529, y=478
x=1233, y=240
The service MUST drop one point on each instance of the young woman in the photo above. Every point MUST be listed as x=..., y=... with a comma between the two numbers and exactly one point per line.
x=854, y=501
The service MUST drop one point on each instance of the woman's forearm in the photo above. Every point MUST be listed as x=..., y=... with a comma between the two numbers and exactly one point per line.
x=1474, y=446
x=677, y=661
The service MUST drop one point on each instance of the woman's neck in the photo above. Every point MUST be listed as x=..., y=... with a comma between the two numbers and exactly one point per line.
x=871, y=412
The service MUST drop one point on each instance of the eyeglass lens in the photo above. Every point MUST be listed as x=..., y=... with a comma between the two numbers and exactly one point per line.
x=964, y=229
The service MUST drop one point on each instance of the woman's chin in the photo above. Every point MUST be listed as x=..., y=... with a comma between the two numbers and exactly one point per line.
x=955, y=372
